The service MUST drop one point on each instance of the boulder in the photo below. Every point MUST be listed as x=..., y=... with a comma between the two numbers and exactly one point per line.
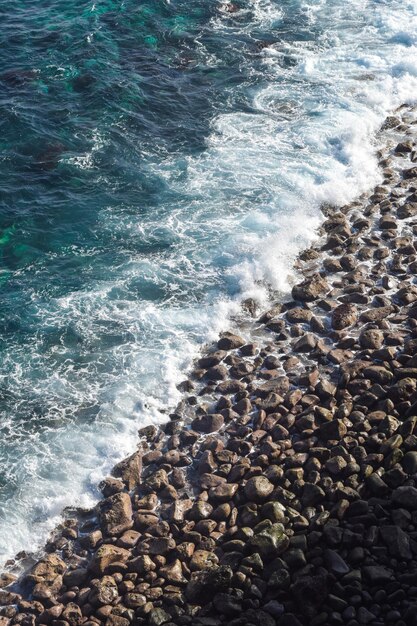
x=129, y=470
x=208, y=423
x=343, y=316
x=105, y=556
x=116, y=514
x=229, y=341
x=103, y=591
x=258, y=488
x=310, y=289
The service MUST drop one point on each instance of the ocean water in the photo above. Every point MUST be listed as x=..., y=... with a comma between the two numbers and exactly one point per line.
x=161, y=160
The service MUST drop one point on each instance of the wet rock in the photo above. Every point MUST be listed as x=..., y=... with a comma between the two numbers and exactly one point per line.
x=371, y=338
x=310, y=289
x=306, y=343
x=229, y=341
x=116, y=514
x=378, y=374
x=343, y=316
x=129, y=470
x=217, y=372
x=208, y=423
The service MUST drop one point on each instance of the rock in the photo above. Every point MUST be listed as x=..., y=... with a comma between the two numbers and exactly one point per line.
x=223, y=492
x=116, y=514
x=398, y=542
x=378, y=374
x=334, y=430
x=306, y=343
x=375, y=315
x=6, y=579
x=206, y=583
x=47, y=569
x=156, y=545
x=377, y=574
x=116, y=620
x=105, y=556
x=258, y=488
x=129, y=470
x=336, y=465
x=217, y=372
x=173, y=573
x=299, y=315
x=72, y=614
x=409, y=462
x=310, y=592
x=202, y=559
x=371, y=338
x=226, y=604
x=177, y=510
x=157, y=617
x=405, y=497
x=208, y=423
x=270, y=542
x=229, y=341
x=310, y=289
x=409, y=209
x=103, y=591
x=214, y=358
x=142, y=565
x=410, y=173
x=75, y=577
x=312, y=494
x=157, y=481
x=343, y=316
x=334, y=563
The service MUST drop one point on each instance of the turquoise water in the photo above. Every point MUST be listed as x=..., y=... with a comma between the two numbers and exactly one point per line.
x=159, y=162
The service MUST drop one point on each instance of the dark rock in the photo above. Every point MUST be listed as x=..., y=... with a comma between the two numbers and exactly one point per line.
x=208, y=423
x=310, y=289
x=398, y=542
x=270, y=542
x=116, y=514
x=206, y=583
x=343, y=316
x=258, y=488
x=229, y=341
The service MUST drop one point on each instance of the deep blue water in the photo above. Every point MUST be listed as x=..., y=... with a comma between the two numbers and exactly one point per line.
x=160, y=161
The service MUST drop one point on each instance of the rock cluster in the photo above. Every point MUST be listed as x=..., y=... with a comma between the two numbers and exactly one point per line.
x=283, y=492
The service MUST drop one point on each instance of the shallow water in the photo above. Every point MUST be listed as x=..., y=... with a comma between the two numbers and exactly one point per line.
x=159, y=162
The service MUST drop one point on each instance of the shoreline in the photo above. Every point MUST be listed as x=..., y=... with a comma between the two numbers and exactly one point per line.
x=282, y=491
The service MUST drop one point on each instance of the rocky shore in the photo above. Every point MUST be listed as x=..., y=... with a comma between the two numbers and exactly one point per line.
x=282, y=492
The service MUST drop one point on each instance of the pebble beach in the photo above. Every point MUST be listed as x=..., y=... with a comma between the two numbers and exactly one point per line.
x=282, y=491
